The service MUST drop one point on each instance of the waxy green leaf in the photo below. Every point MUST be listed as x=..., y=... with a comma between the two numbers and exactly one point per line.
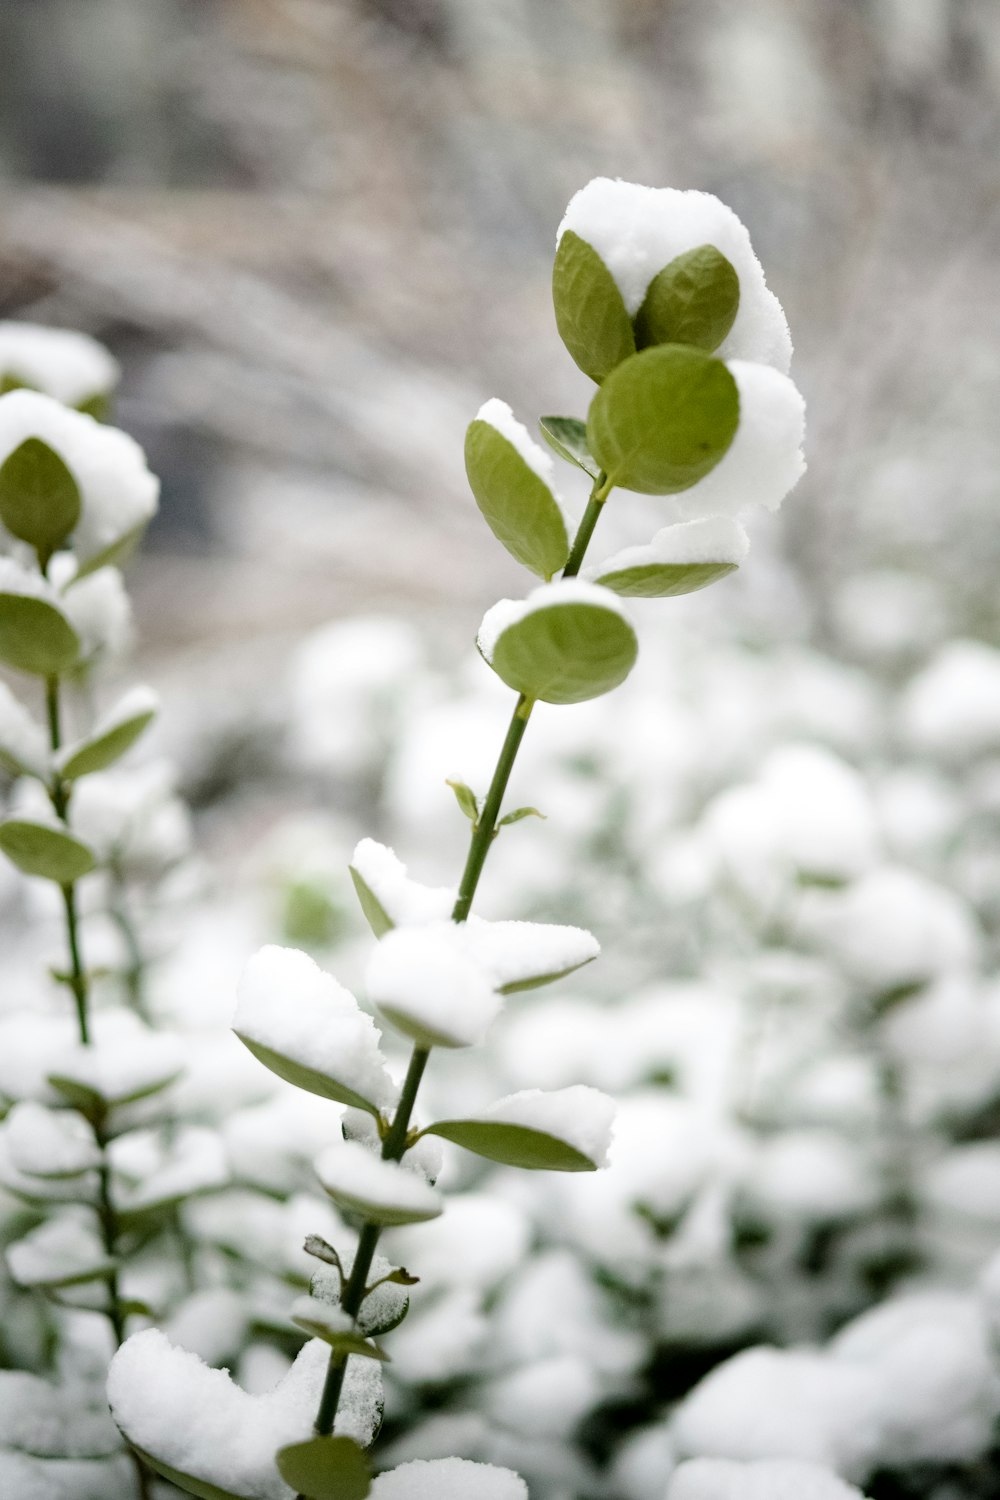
x=326, y=1468
x=35, y=636
x=519, y=507
x=39, y=849
x=566, y=653
x=567, y=436
x=308, y=1079
x=591, y=317
x=39, y=498
x=377, y=917
x=513, y=1145
x=103, y=749
x=693, y=300
x=664, y=580
x=466, y=799
x=663, y=419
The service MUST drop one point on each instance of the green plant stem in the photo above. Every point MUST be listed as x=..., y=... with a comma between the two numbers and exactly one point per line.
x=483, y=832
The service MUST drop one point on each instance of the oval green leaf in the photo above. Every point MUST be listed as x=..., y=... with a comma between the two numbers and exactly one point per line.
x=513, y=1145
x=39, y=498
x=663, y=419
x=326, y=1468
x=308, y=1079
x=518, y=506
x=566, y=653
x=567, y=436
x=591, y=317
x=693, y=300
x=102, y=750
x=38, y=849
x=35, y=636
x=341, y=1341
x=664, y=580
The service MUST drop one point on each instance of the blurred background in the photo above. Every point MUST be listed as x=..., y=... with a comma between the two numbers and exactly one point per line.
x=319, y=233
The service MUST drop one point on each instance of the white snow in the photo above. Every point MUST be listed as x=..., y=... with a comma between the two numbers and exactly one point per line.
x=448, y=1479
x=17, y=579
x=404, y=901
x=117, y=491
x=499, y=415
x=150, y=1170
x=384, y=1305
x=782, y=1403
x=172, y=1405
x=764, y=461
x=65, y=1248
x=952, y=707
x=582, y=1117
x=289, y=1005
x=62, y=363
x=362, y=1182
x=99, y=610
x=425, y=982
x=122, y=1061
x=707, y=539
x=638, y=230
x=49, y=1143
x=507, y=612
x=892, y=927
x=22, y=740
x=765, y=1479
x=479, y=1241
x=69, y=1420
x=548, y=1398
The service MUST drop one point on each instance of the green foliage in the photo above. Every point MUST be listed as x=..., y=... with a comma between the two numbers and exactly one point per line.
x=566, y=653
x=693, y=300
x=39, y=498
x=39, y=849
x=186, y=1482
x=35, y=636
x=102, y=750
x=311, y=917
x=326, y=1468
x=340, y=1340
x=517, y=815
x=97, y=406
x=664, y=580
x=380, y=1213
x=518, y=505
x=513, y=1145
x=567, y=436
x=663, y=419
x=466, y=799
x=377, y=917
x=115, y=554
x=592, y=319
x=308, y=1079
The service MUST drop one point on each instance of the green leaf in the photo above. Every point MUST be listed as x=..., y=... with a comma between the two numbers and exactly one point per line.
x=519, y=507
x=567, y=436
x=339, y=1339
x=97, y=406
x=513, y=1145
x=186, y=1482
x=664, y=580
x=104, y=748
x=518, y=814
x=536, y=981
x=663, y=419
x=377, y=917
x=566, y=653
x=591, y=317
x=303, y=1077
x=35, y=636
x=466, y=799
x=92, y=1104
x=326, y=1468
x=693, y=300
x=39, y=498
x=38, y=849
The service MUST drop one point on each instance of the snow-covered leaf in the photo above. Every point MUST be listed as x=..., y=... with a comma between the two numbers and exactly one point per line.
x=43, y=850
x=389, y=898
x=663, y=419
x=562, y=1130
x=426, y=982
x=510, y=475
x=382, y=1191
x=322, y=1321
x=567, y=642
x=591, y=317
x=304, y=1026
x=679, y=560
x=65, y=1251
x=448, y=1479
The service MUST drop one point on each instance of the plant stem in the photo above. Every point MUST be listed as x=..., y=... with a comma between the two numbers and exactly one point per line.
x=484, y=829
